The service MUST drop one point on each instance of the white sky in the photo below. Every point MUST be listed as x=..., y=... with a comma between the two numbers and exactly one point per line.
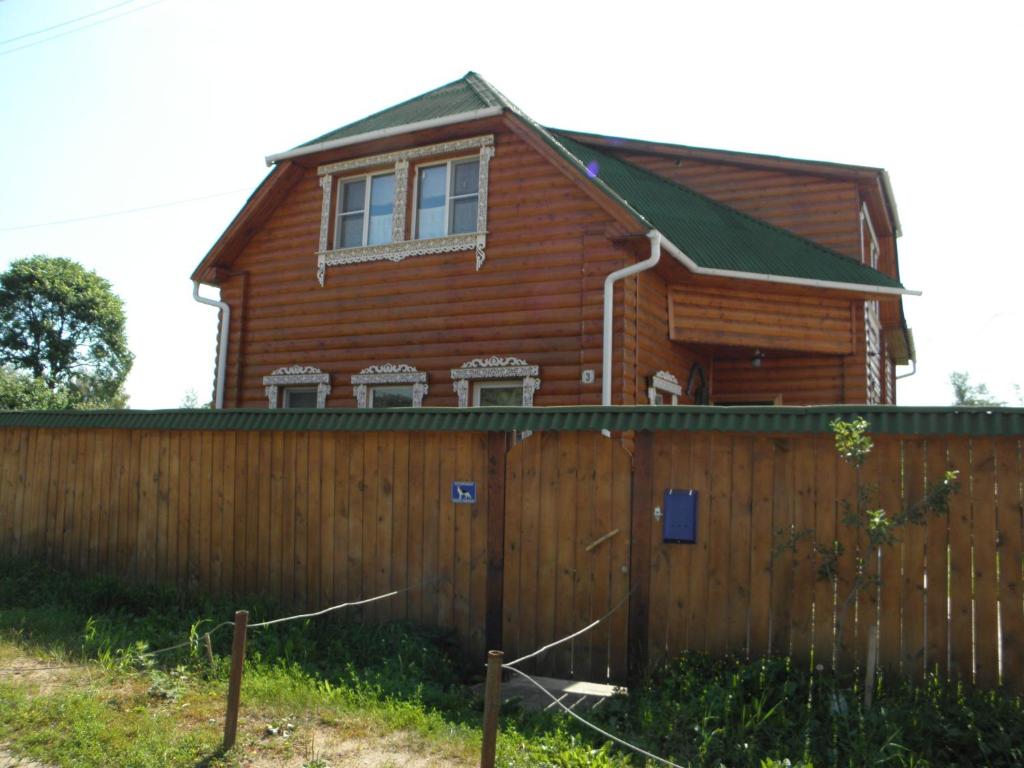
x=184, y=99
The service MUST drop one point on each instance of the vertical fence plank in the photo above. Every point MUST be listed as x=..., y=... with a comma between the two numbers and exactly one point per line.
x=846, y=599
x=566, y=549
x=675, y=469
x=382, y=522
x=825, y=533
x=782, y=560
x=400, y=527
x=181, y=508
x=531, y=481
x=1009, y=476
x=640, y=553
x=196, y=471
x=241, y=525
x=513, y=552
x=357, y=482
x=700, y=480
x=227, y=495
x=622, y=489
x=740, y=527
x=340, y=515
x=583, y=586
x=547, y=545
x=300, y=533
x=431, y=520
x=719, y=530
x=961, y=567
x=314, y=540
x=667, y=605
x=289, y=513
x=479, y=552
x=414, y=541
x=463, y=537
x=761, y=563
x=276, y=511
x=914, y=540
x=600, y=560
x=324, y=542
x=804, y=501
x=161, y=569
x=171, y=489
x=986, y=583
x=889, y=479
x=938, y=567
x=446, y=533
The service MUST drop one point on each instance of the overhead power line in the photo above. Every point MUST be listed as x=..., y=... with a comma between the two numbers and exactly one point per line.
x=123, y=212
x=79, y=29
x=65, y=23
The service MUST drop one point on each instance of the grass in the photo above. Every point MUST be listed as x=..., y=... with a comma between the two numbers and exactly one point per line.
x=313, y=688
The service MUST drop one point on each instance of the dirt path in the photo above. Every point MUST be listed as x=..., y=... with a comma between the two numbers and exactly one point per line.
x=7, y=760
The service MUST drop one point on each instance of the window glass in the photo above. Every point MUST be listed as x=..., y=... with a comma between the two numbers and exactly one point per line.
x=382, y=205
x=508, y=394
x=463, y=215
x=299, y=398
x=349, y=226
x=391, y=397
x=466, y=178
x=430, y=206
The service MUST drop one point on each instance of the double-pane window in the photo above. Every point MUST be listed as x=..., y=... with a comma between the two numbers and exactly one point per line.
x=300, y=397
x=498, y=393
x=365, y=211
x=447, y=199
x=391, y=397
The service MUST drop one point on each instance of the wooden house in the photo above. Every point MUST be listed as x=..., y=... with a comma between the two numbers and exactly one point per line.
x=451, y=251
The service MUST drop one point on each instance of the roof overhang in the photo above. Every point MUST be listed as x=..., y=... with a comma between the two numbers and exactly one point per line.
x=383, y=133
x=876, y=291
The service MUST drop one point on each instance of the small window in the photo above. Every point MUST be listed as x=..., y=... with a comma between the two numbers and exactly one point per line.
x=447, y=197
x=297, y=386
x=390, y=385
x=299, y=397
x=495, y=381
x=365, y=211
x=498, y=393
x=391, y=397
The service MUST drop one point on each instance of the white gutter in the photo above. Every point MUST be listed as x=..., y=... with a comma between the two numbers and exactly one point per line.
x=222, y=343
x=691, y=265
x=913, y=370
x=609, y=293
x=383, y=133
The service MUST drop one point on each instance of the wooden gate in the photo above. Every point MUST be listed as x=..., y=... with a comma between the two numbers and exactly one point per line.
x=567, y=530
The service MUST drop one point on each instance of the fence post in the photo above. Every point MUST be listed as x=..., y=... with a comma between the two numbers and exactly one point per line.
x=209, y=649
x=492, y=706
x=235, y=681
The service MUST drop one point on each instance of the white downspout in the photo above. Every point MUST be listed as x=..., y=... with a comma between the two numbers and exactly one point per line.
x=609, y=310
x=222, y=343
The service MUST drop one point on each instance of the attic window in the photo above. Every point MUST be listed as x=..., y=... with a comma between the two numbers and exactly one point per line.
x=451, y=204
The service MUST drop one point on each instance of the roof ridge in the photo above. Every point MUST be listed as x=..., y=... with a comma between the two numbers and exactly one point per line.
x=760, y=222
x=487, y=93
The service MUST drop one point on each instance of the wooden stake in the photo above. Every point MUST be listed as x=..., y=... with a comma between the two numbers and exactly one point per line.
x=492, y=706
x=209, y=648
x=235, y=681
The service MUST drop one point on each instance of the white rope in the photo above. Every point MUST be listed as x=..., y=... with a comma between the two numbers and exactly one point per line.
x=577, y=633
x=325, y=610
x=590, y=725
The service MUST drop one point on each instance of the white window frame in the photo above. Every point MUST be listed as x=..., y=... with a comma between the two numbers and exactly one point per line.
x=403, y=244
x=449, y=179
x=664, y=383
x=499, y=371
x=297, y=376
x=368, y=178
x=389, y=373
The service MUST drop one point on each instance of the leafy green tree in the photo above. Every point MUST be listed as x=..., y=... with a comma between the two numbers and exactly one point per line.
x=19, y=391
x=64, y=326
x=965, y=393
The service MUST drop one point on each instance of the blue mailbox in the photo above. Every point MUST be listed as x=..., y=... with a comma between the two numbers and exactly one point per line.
x=680, y=525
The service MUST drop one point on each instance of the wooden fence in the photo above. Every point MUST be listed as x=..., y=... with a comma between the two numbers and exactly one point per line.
x=316, y=518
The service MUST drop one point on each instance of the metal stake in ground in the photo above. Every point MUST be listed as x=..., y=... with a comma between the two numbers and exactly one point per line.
x=492, y=706
x=235, y=681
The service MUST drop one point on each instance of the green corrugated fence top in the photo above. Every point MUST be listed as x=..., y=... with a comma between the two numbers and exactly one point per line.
x=949, y=420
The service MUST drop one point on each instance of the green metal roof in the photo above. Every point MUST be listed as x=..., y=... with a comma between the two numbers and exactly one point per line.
x=713, y=234
x=467, y=94
x=977, y=421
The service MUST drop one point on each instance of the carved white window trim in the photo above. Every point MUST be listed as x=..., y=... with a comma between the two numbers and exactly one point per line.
x=663, y=381
x=389, y=373
x=401, y=248
x=295, y=376
x=491, y=368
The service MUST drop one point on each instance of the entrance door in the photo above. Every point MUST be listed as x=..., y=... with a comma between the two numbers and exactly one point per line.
x=567, y=529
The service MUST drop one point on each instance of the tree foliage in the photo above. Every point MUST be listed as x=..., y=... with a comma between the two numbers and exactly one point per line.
x=63, y=326
x=966, y=393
